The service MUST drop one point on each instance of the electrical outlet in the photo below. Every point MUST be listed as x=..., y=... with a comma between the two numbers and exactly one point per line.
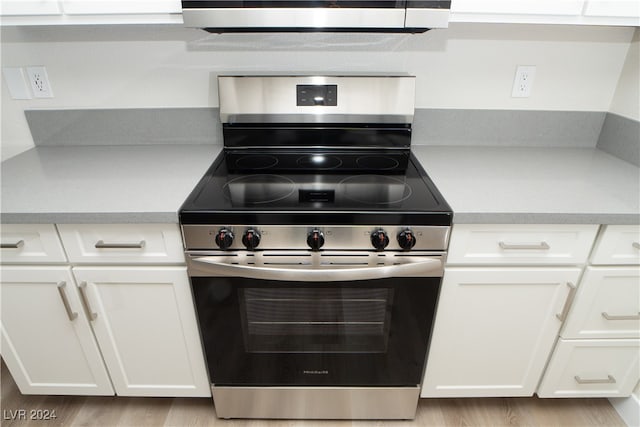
x=523, y=82
x=39, y=82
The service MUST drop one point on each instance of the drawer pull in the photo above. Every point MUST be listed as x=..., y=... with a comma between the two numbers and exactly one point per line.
x=567, y=304
x=16, y=245
x=608, y=380
x=623, y=317
x=63, y=295
x=542, y=246
x=82, y=287
x=101, y=244
x=636, y=245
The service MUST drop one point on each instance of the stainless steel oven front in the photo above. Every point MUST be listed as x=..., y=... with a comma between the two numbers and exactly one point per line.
x=298, y=333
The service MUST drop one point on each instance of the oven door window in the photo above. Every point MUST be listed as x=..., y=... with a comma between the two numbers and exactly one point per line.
x=315, y=320
x=350, y=333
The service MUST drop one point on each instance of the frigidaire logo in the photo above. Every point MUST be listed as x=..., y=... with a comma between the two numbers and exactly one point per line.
x=316, y=372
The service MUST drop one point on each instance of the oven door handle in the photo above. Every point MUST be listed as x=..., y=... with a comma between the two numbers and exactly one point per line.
x=430, y=267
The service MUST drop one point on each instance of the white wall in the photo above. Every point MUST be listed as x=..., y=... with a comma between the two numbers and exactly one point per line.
x=626, y=100
x=465, y=66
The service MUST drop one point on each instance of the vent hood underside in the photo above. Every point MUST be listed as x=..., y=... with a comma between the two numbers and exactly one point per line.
x=370, y=16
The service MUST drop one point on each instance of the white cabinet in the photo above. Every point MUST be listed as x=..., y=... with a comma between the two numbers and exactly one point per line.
x=592, y=368
x=613, y=8
x=122, y=243
x=529, y=7
x=507, y=289
x=98, y=7
x=29, y=7
x=618, y=245
x=79, y=330
x=30, y=243
x=494, y=330
x=607, y=304
x=47, y=342
x=518, y=244
x=597, y=355
x=576, y=12
x=89, y=12
x=144, y=321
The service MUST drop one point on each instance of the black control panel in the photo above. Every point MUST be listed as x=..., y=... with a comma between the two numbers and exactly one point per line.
x=310, y=95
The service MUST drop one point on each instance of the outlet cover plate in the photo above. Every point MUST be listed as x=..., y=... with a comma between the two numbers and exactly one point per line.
x=39, y=82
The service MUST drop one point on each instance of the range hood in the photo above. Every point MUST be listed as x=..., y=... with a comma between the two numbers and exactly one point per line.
x=394, y=16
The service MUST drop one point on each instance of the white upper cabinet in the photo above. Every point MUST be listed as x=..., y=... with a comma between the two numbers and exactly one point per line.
x=99, y=7
x=89, y=12
x=613, y=8
x=537, y=7
x=29, y=7
x=577, y=12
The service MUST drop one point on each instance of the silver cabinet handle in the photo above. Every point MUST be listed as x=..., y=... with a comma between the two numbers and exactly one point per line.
x=16, y=245
x=567, y=304
x=70, y=313
x=101, y=244
x=622, y=317
x=608, y=380
x=636, y=245
x=411, y=269
x=82, y=287
x=542, y=246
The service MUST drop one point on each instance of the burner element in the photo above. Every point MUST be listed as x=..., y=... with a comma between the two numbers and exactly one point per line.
x=256, y=162
x=377, y=162
x=319, y=162
x=258, y=189
x=375, y=189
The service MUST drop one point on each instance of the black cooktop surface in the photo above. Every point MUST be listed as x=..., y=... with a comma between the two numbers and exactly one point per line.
x=328, y=188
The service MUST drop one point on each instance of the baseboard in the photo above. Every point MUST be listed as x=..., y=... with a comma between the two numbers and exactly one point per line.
x=628, y=408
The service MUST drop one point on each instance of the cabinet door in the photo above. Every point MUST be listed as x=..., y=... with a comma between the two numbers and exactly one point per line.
x=613, y=8
x=534, y=7
x=105, y=7
x=48, y=348
x=144, y=321
x=29, y=7
x=495, y=329
x=592, y=368
x=607, y=304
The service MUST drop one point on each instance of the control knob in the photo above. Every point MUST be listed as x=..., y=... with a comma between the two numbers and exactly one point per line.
x=251, y=239
x=315, y=239
x=379, y=239
x=224, y=238
x=406, y=239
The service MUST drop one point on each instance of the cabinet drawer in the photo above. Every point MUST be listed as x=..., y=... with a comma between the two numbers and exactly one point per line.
x=592, y=368
x=122, y=243
x=607, y=304
x=30, y=243
x=506, y=244
x=618, y=245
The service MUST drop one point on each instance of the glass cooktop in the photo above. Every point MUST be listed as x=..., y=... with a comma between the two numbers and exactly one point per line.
x=350, y=188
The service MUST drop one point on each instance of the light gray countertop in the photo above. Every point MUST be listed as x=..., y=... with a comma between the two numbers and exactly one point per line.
x=123, y=184
x=102, y=184
x=504, y=185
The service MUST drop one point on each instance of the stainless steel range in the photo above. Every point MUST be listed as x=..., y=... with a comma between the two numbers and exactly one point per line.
x=315, y=246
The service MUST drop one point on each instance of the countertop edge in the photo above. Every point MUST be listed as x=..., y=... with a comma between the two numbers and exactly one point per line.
x=89, y=218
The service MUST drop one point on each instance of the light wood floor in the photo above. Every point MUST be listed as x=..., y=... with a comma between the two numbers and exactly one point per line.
x=138, y=412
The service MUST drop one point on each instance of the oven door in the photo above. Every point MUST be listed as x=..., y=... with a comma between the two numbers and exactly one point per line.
x=315, y=320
